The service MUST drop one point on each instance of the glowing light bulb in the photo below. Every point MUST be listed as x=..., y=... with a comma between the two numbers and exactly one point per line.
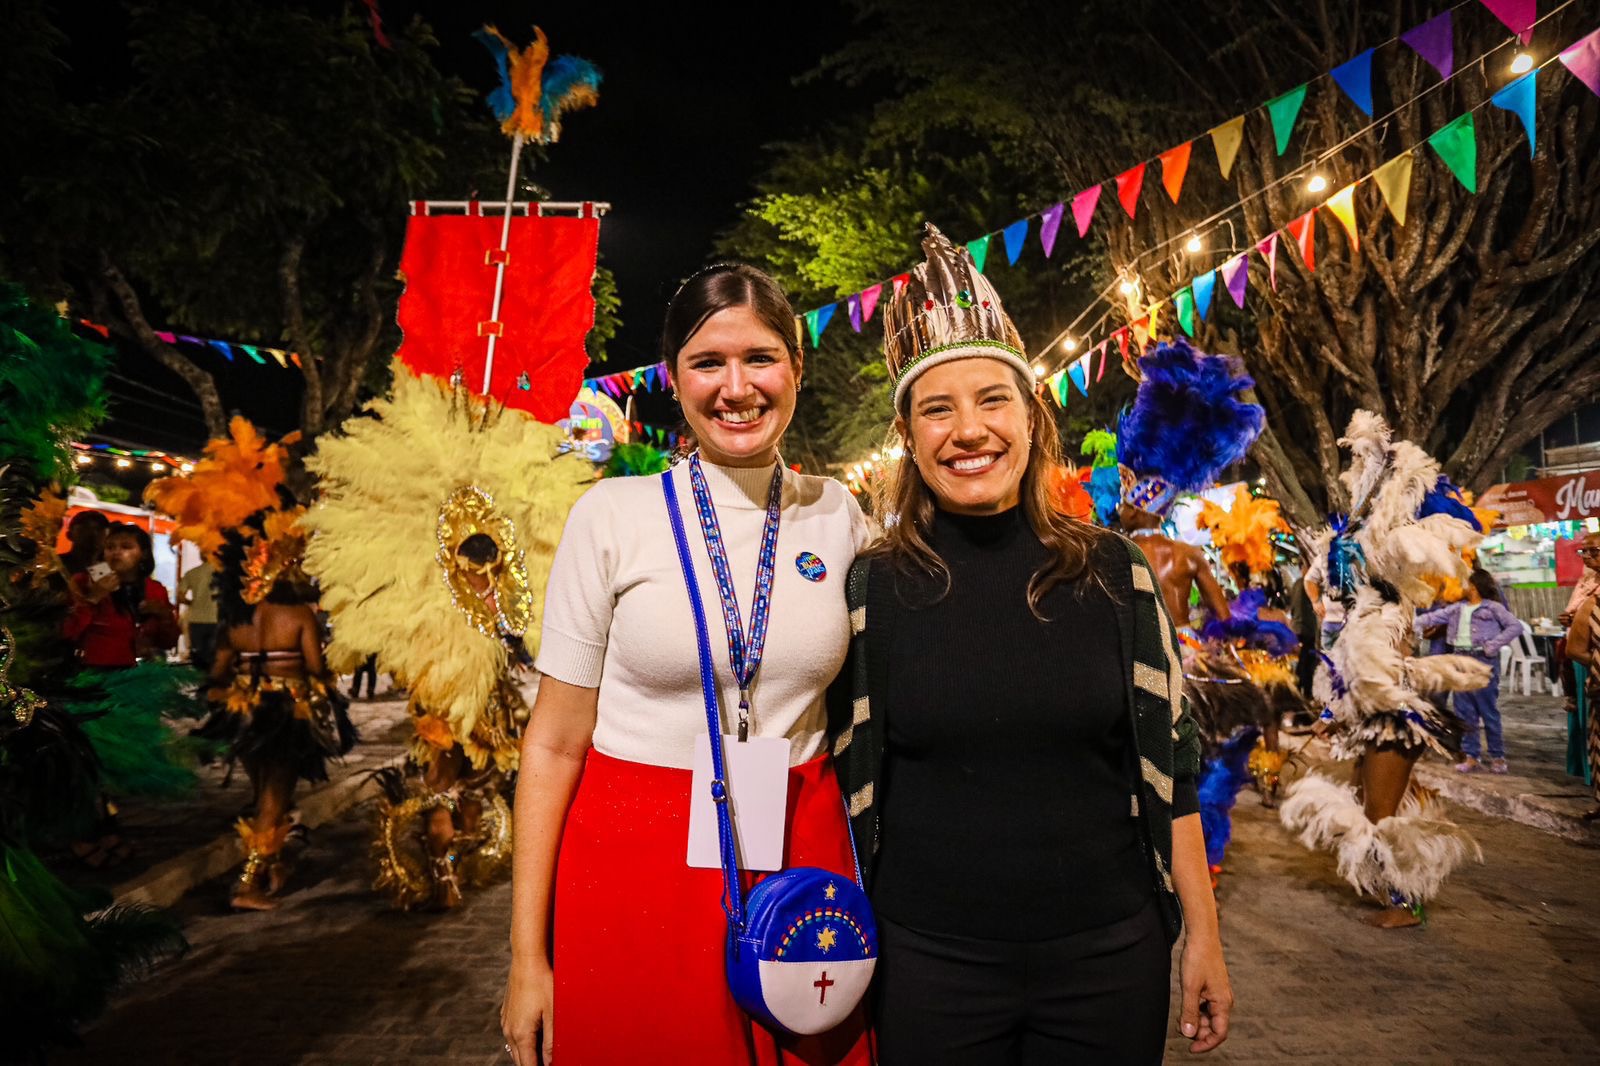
x=157, y=466
x=1195, y=244
x=1317, y=183
x=187, y=468
x=1522, y=63
x=1127, y=287
x=123, y=464
x=84, y=460
x=1069, y=345
x=1038, y=370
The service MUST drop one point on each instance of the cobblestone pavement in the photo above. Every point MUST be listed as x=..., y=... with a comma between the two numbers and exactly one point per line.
x=1507, y=969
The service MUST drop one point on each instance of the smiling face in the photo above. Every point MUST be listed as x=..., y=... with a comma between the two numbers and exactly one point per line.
x=737, y=382
x=968, y=425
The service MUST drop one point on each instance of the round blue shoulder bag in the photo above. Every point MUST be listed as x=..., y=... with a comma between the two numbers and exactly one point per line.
x=802, y=948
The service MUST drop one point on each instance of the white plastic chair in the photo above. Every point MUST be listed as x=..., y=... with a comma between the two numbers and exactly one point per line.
x=1524, y=670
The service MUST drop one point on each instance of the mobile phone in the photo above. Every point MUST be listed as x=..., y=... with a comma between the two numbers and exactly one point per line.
x=99, y=572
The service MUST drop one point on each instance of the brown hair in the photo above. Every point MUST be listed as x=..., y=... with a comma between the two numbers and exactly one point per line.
x=717, y=288
x=905, y=495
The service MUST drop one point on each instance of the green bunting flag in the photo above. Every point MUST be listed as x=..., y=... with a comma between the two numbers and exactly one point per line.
x=1063, y=391
x=1457, y=145
x=817, y=321
x=980, y=251
x=1285, y=110
x=1184, y=298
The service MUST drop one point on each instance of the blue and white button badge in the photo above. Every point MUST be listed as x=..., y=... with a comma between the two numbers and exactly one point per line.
x=811, y=568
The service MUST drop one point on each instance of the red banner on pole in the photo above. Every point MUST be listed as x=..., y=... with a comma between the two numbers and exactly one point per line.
x=546, y=309
x=1552, y=499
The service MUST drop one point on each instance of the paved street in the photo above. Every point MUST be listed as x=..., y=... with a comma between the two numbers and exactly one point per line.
x=1506, y=971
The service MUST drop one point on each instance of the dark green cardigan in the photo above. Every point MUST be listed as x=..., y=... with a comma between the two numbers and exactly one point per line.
x=1165, y=739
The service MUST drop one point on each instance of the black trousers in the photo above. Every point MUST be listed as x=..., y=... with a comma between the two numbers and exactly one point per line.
x=1098, y=996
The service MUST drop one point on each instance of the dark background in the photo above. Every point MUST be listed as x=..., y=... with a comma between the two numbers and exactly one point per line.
x=690, y=96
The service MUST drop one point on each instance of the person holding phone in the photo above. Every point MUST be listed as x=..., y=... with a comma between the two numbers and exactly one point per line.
x=122, y=614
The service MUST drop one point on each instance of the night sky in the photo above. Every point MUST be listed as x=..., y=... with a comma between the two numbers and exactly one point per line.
x=690, y=96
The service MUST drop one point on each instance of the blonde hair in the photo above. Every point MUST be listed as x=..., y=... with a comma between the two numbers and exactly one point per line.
x=907, y=505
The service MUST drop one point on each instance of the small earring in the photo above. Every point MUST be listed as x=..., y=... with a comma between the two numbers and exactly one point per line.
x=799, y=386
x=674, y=394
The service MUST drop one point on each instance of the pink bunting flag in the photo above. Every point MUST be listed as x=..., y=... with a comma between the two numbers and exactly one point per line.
x=899, y=282
x=1269, y=251
x=1101, y=348
x=1083, y=206
x=869, y=301
x=169, y=338
x=1049, y=223
x=1583, y=60
x=1236, y=276
x=1518, y=15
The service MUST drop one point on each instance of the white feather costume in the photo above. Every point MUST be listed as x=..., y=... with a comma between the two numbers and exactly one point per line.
x=1376, y=691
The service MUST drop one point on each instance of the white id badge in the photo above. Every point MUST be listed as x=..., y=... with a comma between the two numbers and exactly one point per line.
x=758, y=789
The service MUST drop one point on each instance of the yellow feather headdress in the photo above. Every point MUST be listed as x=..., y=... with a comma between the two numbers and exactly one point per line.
x=393, y=490
x=1243, y=533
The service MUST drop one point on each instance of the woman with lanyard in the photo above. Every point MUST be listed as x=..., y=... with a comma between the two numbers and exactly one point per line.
x=1020, y=768
x=618, y=923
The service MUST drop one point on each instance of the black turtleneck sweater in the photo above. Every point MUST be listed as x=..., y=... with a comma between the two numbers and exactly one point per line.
x=1007, y=810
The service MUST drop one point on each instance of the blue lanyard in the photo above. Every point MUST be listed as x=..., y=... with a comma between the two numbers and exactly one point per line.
x=744, y=657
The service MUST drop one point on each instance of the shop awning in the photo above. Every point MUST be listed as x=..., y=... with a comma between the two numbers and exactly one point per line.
x=1569, y=498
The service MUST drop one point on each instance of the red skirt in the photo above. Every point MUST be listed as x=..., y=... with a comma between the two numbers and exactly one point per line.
x=639, y=935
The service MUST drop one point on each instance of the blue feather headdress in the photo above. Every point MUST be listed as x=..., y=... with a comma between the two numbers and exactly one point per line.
x=1444, y=498
x=1245, y=624
x=1187, y=423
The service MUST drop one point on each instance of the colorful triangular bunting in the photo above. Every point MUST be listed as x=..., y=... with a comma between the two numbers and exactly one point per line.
x=899, y=282
x=1100, y=349
x=1457, y=144
x=817, y=321
x=1049, y=225
x=1174, y=165
x=852, y=305
x=1355, y=78
x=1236, y=277
x=1394, y=182
x=1304, y=232
x=222, y=346
x=869, y=301
x=1434, y=41
x=1079, y=376
x=1083, y=208
x=1225, y=139
x=1015, y=235
x=1203, y=285
x=1284, y=110
x=1343, y=206
x=980, y=251
x=1518, y=15
x=1521, y=98
x=1583, y=60
x=1183, y=300
x=1129, y=182
x=1269, y=251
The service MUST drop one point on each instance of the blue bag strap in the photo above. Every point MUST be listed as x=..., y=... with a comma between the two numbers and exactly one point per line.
x=732, y=897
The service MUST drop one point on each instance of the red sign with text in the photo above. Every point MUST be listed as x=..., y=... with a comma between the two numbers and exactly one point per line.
x=1571, y=498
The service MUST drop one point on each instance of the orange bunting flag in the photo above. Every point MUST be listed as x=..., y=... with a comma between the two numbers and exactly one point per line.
x=1121, y=336
x=1394, y=181
x=1304, y=231
x=1174, y=165
x=1129, y=182
x=1343, y=206
x=1141, y=331
x=1226, y=139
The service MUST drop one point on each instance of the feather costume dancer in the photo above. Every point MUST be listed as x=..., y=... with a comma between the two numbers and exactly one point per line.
x=275, y=708
x=438, y=523
x=1405, y=523
x=62, y=951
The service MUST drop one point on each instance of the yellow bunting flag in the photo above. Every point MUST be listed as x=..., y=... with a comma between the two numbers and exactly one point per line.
x=1394, y=181
x=1343, y=206
x=1225, y=139
x=1155, y=316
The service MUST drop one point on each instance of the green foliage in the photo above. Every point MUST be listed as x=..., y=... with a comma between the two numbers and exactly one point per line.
x=50, y=386
x=607, y=314
x=635, y=460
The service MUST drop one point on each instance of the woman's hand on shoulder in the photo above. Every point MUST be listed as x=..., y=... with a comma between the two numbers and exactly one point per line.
x=525, y=1013
x=1207, y=993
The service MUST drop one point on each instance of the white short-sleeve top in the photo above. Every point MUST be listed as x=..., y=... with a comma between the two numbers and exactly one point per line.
x=617, y=614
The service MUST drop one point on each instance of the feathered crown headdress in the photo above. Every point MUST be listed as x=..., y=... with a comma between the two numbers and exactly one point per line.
x=1187, y=423
x=536, y=90
x=946, y=310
